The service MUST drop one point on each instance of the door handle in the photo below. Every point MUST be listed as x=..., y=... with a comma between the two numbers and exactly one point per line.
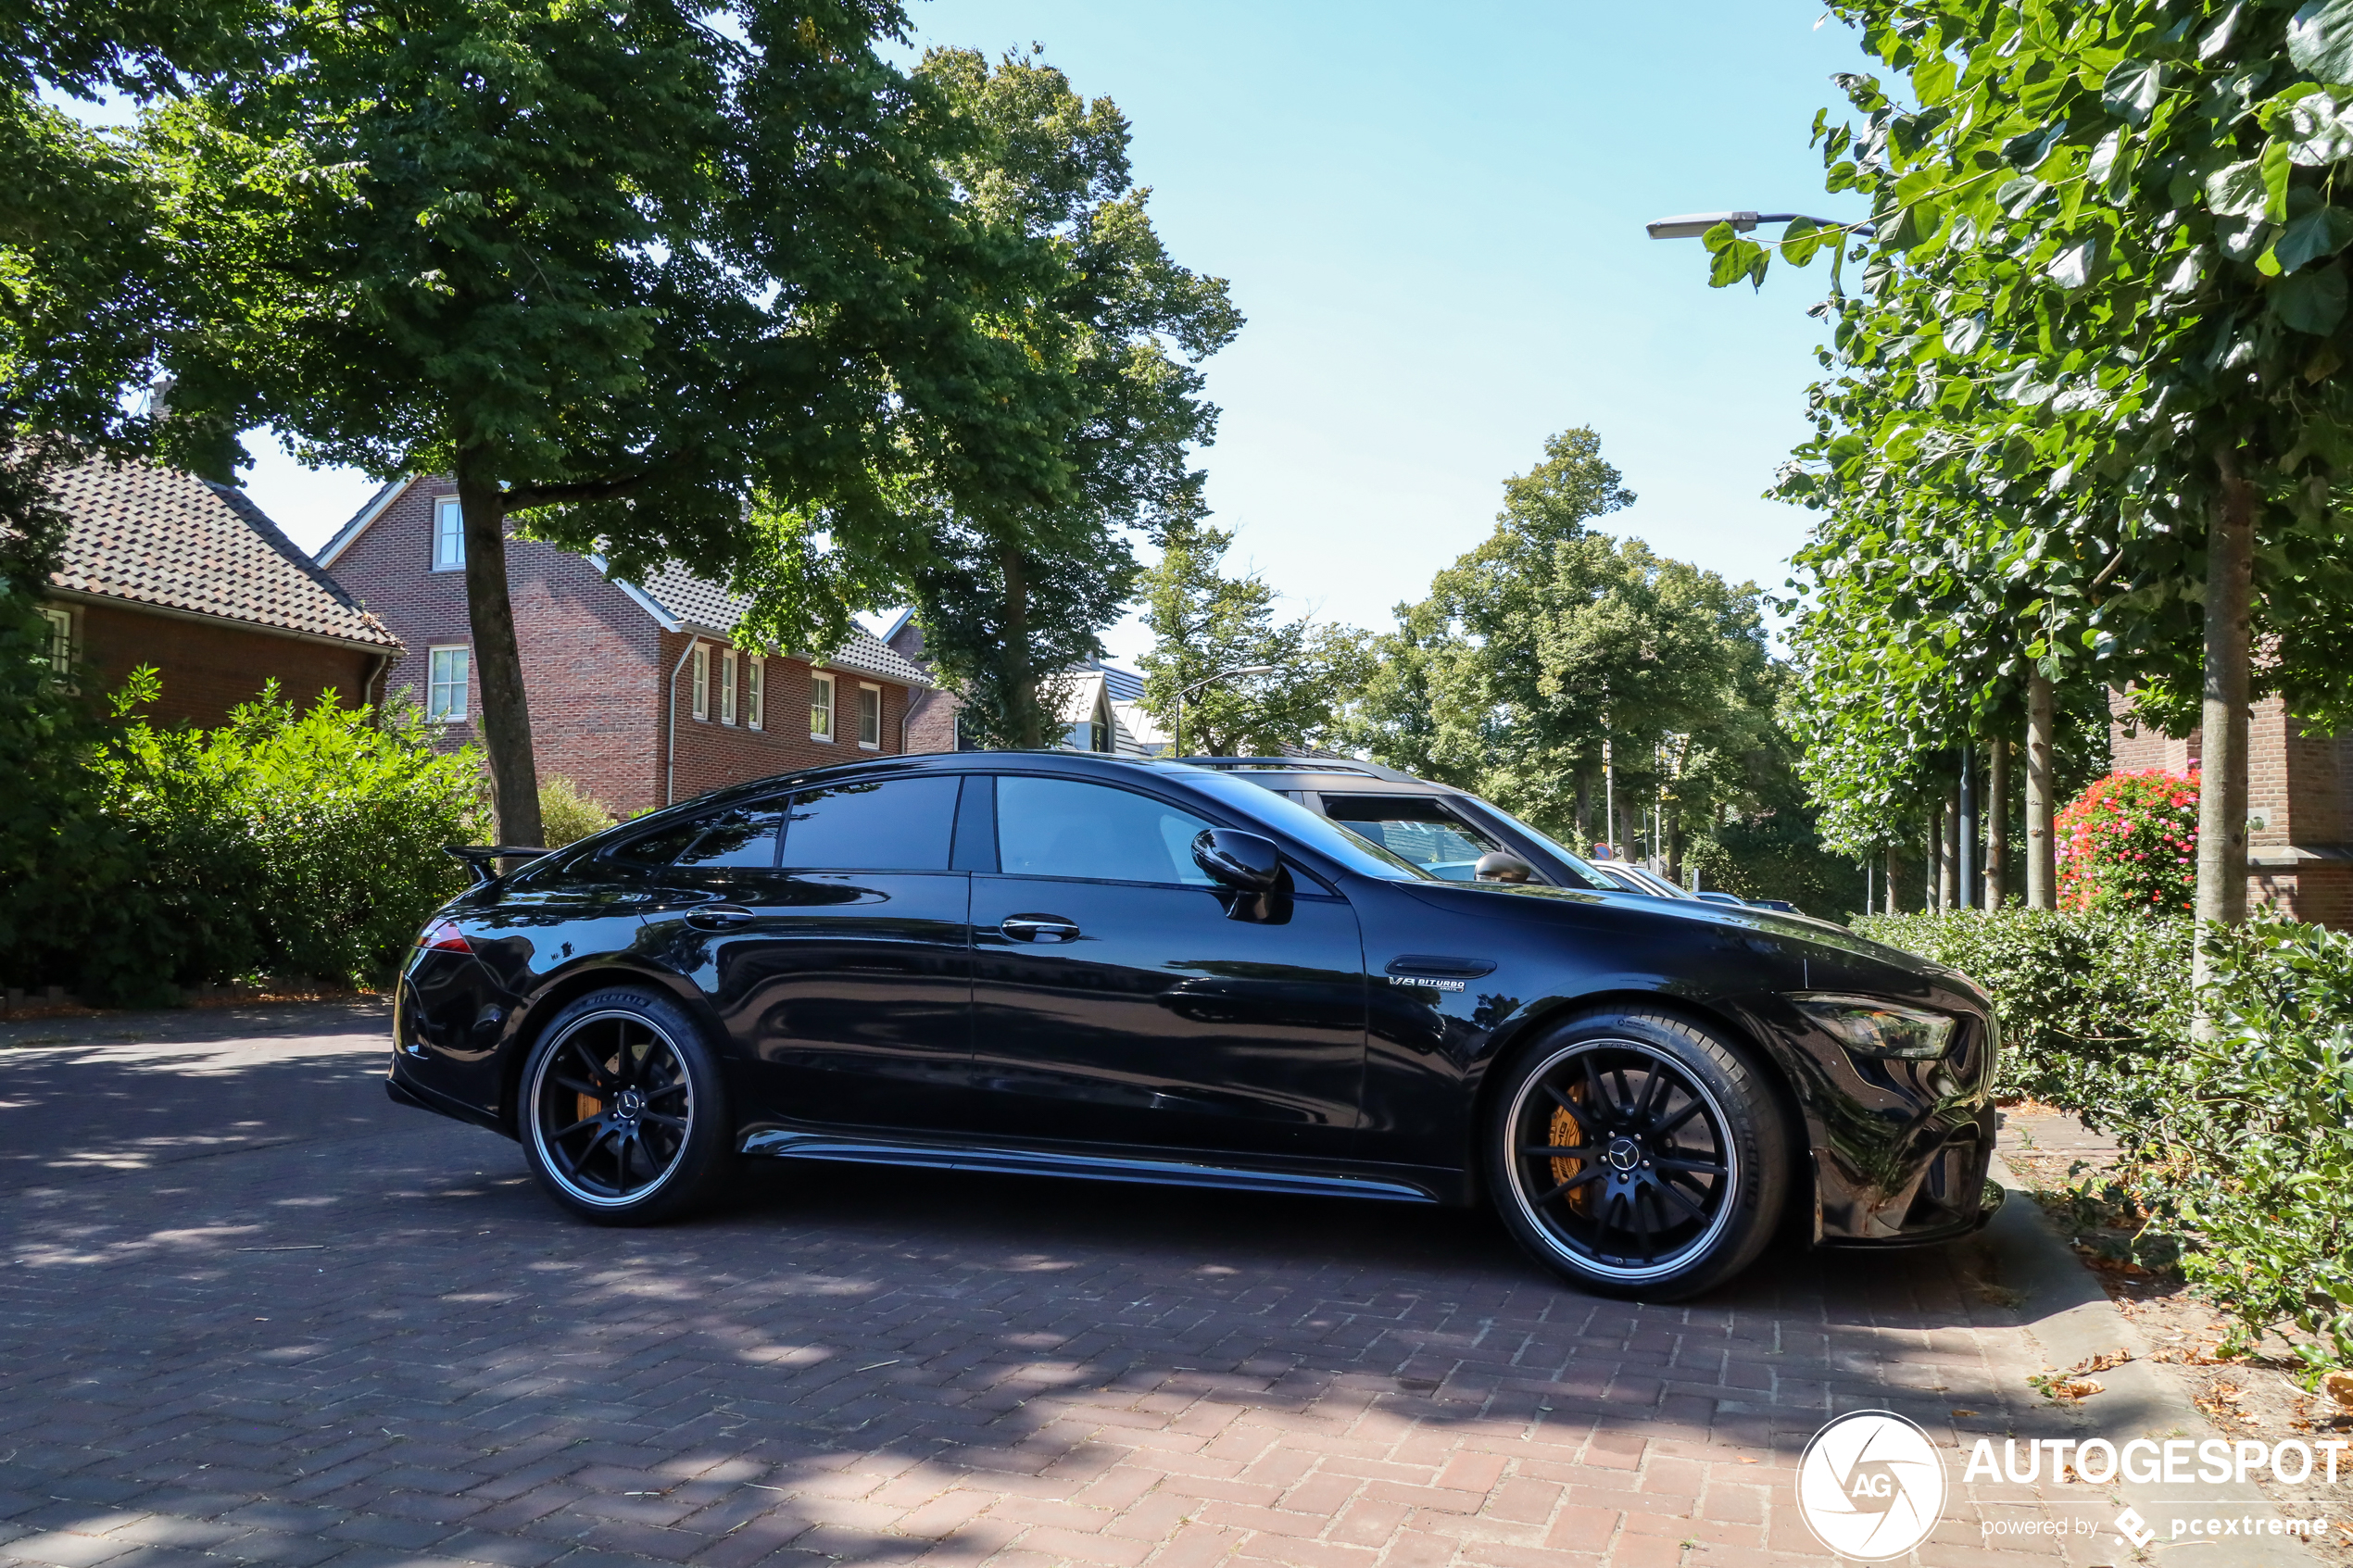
x=717, y=917
x=1040, y=928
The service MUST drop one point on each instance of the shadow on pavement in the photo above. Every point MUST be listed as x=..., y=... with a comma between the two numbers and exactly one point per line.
x=345, y=1329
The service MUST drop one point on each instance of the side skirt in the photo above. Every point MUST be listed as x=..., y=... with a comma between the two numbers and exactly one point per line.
x=778, y=1143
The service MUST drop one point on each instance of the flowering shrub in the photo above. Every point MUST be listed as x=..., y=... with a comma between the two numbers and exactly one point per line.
x=2129, y=841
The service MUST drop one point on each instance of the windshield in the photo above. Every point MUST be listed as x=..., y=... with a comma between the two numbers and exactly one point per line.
x=1328, y=839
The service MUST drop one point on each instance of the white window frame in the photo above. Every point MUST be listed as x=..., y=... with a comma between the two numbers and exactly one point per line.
x=756, y=693
x=727, y=662
x=702, y=682
x=448, y=534
x=60, y=621
x=875, y=744
x=822, y=719
x=437, y=687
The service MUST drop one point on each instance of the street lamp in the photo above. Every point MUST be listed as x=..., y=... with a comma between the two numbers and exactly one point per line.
x=1692, y=225
x=1177, y=742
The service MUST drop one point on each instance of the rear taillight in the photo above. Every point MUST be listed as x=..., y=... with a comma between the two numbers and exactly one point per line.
x=442, y=935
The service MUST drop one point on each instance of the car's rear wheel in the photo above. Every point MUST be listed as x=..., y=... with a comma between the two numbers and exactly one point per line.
x=1639, y=1155
x=625, y=1121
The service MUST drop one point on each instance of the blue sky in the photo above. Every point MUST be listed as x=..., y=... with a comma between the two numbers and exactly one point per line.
x=1433, y=217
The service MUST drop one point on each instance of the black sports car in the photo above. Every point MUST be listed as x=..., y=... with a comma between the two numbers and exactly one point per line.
x=1066, y=964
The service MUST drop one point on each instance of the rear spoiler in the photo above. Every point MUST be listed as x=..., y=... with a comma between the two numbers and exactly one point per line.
x=478, y=857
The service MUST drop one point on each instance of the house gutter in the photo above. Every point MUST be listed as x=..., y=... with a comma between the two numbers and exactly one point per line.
x=670, y=784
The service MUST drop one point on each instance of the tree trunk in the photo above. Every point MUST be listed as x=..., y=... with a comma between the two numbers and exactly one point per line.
x=2221, y=796
x=498, y=659
x=1892, y=865
x=1972, y=814
x=2041, y=844
x=1998, y=823
x=1020, y=681
x=1948, y=850
x=1585, y=808
x=1931, y=855
x=1670, y=841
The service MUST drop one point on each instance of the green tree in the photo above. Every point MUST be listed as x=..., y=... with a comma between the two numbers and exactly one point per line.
x=1012, y=596
x=1553, y=649
x=94, y=298
x=622, y=271
x=1204, y=622
x=2107, y=289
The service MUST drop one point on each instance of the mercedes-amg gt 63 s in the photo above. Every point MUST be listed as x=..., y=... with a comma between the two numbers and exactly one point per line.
x=1065, y=964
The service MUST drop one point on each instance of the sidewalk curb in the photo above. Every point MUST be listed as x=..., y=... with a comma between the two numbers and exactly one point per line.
x=2071, y=1318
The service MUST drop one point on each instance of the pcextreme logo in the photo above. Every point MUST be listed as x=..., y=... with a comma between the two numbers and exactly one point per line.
x=1870, y=1485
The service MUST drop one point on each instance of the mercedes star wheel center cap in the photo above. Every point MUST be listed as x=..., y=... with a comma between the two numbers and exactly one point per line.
x=1624, y=1154
x=630, y=1103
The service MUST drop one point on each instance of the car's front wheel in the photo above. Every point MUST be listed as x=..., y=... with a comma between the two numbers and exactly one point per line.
x=623, y=1119
x=1639, y=1155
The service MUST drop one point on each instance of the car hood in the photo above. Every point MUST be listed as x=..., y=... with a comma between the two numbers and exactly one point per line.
x=1826, y=937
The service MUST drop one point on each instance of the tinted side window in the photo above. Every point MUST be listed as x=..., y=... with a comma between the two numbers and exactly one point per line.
x=658, y=848
x=1065, y=827
x=888, y=825
x=745, y=835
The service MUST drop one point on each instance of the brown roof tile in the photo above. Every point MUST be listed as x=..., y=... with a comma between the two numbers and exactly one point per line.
x=159, y=536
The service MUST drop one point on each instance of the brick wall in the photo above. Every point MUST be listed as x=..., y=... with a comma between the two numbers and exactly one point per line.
x=711, y=754
x=208, y=667
x=931, y=720
x=589, y=651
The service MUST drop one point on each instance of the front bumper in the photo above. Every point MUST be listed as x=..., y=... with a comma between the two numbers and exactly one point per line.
x=1991, y=1197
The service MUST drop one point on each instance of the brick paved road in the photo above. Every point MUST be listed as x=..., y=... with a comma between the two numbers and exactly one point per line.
x=254, y=1314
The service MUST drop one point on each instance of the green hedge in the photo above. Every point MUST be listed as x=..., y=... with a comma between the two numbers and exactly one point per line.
x=303, y=843
x=2242, y=1140
x=2084, y=998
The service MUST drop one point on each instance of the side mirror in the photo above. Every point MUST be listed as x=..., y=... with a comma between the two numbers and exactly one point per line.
x=1246, y=862
x=1497, y=866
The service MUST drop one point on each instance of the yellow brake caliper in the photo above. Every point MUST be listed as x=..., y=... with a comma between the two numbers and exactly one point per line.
x=1565, y=1134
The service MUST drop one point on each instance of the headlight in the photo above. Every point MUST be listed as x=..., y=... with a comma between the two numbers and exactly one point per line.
x=1880, y=1029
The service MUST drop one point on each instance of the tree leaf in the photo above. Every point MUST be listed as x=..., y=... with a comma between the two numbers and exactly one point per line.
x=2130, y=90
x=2276, y=172
x=2311, y=302
x=2217, y=38
x=2324, y=231
x=2071, y=267
x=1801, y=240
x=1734, y=258
x=2236, y=190
x=2320, y=39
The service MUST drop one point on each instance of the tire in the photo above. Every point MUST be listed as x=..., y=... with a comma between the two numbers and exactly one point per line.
x=622, y=1114
x=1637, y=1155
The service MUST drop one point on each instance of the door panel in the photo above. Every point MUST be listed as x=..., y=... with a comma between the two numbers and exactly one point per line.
x=1133, y=1011
x=847, y=986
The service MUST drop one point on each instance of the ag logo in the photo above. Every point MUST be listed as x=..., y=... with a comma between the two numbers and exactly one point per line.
x=1870, y=1485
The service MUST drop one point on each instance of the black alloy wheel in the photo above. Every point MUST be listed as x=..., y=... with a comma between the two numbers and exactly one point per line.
x=1639, y=1155
x=623, y=1119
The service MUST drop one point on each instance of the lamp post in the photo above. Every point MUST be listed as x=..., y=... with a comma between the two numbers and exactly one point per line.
x=1177, y=742
x=1692, y=225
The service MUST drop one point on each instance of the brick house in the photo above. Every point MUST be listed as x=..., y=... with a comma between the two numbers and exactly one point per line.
x=2299, y=792
x=638, y=694
x=162, y=568
x=1102, y=711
